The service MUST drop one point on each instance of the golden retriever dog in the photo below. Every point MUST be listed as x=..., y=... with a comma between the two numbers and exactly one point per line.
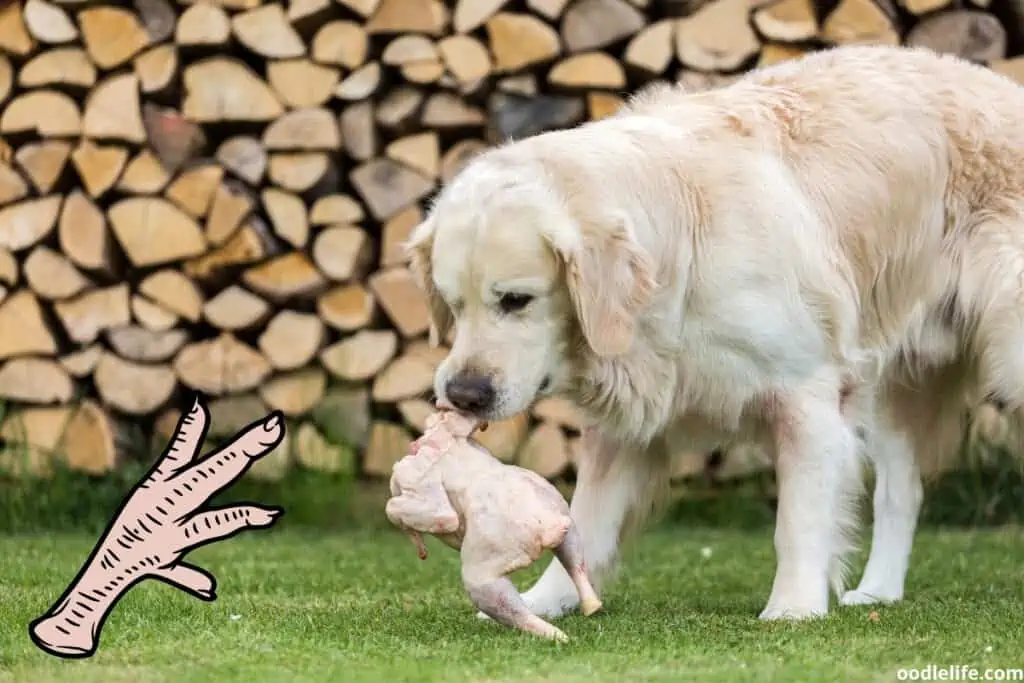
x=825, y=257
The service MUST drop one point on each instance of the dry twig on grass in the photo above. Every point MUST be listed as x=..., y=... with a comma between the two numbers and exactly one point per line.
x=158, y=523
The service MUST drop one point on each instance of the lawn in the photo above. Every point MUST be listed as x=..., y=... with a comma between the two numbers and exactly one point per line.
x=351, y=607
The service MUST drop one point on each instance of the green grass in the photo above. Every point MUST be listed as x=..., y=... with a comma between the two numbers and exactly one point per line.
x=358, y=606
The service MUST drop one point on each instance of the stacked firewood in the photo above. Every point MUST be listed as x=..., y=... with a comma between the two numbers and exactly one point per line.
x=211, y=195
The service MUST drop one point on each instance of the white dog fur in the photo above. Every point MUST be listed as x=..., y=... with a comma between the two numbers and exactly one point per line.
x=825, y=257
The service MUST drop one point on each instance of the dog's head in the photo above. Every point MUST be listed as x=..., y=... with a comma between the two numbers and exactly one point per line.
x=531, y=277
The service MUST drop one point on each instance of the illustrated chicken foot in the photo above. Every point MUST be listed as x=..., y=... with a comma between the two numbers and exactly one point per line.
x=158, y=523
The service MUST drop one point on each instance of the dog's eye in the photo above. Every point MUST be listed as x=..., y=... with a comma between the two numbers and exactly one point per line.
x=510, y=303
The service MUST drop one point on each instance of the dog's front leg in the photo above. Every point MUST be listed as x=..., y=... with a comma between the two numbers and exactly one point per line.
x=614, y=485
x=818, y=478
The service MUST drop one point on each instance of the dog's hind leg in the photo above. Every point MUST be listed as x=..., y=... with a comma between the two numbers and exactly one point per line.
x=897, y=502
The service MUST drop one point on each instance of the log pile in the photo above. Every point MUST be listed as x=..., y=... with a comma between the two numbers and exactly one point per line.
x=211, y=195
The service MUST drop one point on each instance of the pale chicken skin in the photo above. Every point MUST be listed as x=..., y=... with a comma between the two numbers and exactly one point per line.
x=501, y=517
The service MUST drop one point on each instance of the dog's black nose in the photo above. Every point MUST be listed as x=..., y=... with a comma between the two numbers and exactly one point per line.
x=470, y=393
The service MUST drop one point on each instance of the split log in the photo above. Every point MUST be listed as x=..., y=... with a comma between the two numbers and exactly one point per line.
x=545, y=451
x=409, y=16
x=152, y=231
x=773, y=53
x=294, y=393
x=346, y=308
x=402, y=300
x=388, y=444
x=651, y=50
x=35, y=380
x=6, y=78
x=291, y=339
x=288, y=276
x=98, y=166
x=235, y=308
x=64, y=68
x=717, y=37
x=397, y=110
x=46, y=113
x=601, y=105
x=209, y=100
x=335, y=208
x=559, y=411
x=519, y=41
x=250, y=244
x=158, y=18
x=12, y=186
x=408, y=49
x=231, y=414
x=14, y=36
x=395, y=233
x=514, y=117
x=504, y=437
x=588, y=70
x=360, y=84
x=445, y=110
x=301, y=83
x=112, y=35
x=363, y=8
x=23, y=329
x=306, y=15
x=172, y=138
x=460, y=154
x=32, y=438
x=287, y=214
x=87, y=315
x=465, y=57
x=302, y=172
x=92, y=441
x=151, y=315
x=859, y=22
x=343, y=43
x=52, y=276
x=203, y=25
x=343, y=415
x=787, y=21
x=313, y=128
x=232, y=205
x=388, y=187
x=27, y=222
x=112, y=110
x=81, y=363
x=156, y=69
x=415, y=412
x=193, y=190
x=245, y=157
x=343, y=252
x=8, y=268
x=551, y=9
x=48, y=23
x=175, y=292
x=44, y=163
x=223, y=365
x=143, y=175
x=408, y=376
x=595, y=24
x=132, y=388
x=83, y=235
x=471, y=14
x=361, y=356
x=972, y=34
x=265, y=30
x=135, y=343
x=358, y=131
x=314, y=451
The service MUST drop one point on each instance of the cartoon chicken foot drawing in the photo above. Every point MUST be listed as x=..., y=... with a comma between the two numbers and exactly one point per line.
x=159, y=522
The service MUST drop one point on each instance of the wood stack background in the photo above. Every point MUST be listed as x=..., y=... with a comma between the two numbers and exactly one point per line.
x=210, y=195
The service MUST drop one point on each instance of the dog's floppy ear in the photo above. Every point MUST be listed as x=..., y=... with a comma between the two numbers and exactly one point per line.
x=417, y=249
x=610, y=279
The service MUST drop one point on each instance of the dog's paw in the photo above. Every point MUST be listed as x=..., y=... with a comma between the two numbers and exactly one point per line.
x=780, y=612
x=866, y=597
